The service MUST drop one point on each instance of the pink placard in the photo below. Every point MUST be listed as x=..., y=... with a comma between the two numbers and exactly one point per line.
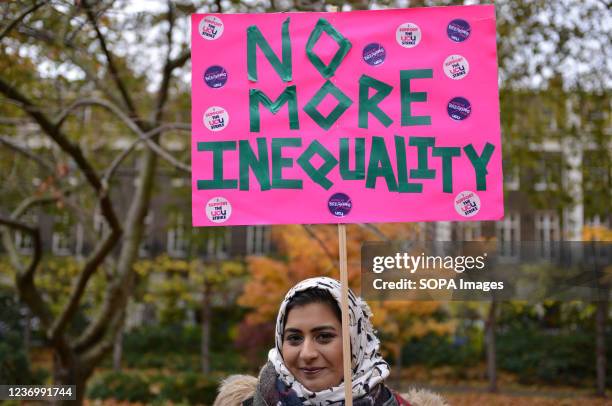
x=365, y=116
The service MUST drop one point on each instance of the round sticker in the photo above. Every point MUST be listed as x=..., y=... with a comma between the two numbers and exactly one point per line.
x=215, y=76
x=218, y=209
x=456, y=67
x=459, y=108
x=216, y=118
x=458, y=30
x=374, y=54
x=467, y=203
x=339, y=204
x=211, y=28
x=408, y=35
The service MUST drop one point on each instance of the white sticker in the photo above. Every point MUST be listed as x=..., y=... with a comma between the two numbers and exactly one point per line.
x=216, y=118
x=211, y=28
x=408, y=35
x=218, y=209
x=456, y=67
x=467, y=203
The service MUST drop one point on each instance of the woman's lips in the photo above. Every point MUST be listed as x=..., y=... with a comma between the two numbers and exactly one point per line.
x=311, y=371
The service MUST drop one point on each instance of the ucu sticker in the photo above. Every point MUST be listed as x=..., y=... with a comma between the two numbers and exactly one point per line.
x=408, y=35
x=456, y=67
x=211, y=28
x=218, y=209
x=216, y=118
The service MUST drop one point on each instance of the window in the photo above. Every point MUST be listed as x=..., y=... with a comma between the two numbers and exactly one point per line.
x=217, y=244
x=61, y=238
x=468, y=231
x=547, y=231
x=508, y=233
x=177, y=242
x=144, y=249
x=258, y=240
x=23, y=241
x=99, y=224
x=512, y=178
x=548, y=174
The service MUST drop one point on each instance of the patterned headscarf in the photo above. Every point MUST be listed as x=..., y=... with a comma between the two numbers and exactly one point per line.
x=369, y=369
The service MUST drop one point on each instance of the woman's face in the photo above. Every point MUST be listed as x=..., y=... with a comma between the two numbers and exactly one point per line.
x=312, y=346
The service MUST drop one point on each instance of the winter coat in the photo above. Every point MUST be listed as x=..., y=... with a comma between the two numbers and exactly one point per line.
x=245, y=390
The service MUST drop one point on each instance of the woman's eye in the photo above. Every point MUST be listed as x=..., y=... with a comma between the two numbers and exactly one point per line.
x=293, y=339
x=325, y=337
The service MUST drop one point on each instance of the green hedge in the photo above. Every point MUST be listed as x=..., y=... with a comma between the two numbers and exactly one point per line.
x=124, y=386
x=186, y=388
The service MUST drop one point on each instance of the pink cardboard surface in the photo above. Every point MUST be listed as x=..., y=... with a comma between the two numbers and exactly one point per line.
x=365, y=116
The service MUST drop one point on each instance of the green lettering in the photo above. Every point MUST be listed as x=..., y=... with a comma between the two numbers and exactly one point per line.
x=370, y=105
x=359, y=172
x=380, y=165
x=318, y=175
x=480, y=163
x=287, y=96
x=422, y=144
x=407, y=97
x=343, y=104
x=254, y=39
x=278, y=163
x=344, y=45
x=402, y=172
x=447, y=154
x=260, y=167
x=217, y=182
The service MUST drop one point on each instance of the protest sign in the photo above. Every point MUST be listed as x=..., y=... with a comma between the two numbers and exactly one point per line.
x=365, y=116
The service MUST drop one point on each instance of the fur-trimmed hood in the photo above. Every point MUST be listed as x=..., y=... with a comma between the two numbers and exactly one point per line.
x=238, y=388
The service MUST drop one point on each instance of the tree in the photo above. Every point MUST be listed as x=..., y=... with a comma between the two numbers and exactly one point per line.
x=62, y=37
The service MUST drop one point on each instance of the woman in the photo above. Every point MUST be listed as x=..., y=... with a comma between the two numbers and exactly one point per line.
x=305, y=366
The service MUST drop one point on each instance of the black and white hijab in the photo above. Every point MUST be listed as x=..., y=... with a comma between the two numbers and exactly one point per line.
x=369, y=369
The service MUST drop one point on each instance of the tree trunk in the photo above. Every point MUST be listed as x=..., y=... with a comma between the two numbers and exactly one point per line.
x=490, y=343
x=601, y=317
x=398, y=366
x=206, y=316
x=27, y=333
x=118, y=348
x=70, y=373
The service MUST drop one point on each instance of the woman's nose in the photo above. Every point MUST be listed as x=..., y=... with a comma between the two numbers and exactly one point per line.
x=309, y=351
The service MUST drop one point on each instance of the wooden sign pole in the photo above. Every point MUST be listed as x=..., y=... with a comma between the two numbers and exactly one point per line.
x=346, y=334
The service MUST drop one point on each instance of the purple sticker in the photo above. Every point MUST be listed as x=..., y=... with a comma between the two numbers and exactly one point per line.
x=459, y=108
x=458, y=30
x=374, y=54
x=215, y=76
x=339, y=205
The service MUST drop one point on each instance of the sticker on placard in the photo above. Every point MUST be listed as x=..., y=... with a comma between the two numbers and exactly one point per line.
x=456, y=67
x=218, y=209
x=340, y=205
x=458, y=30
x=211, y=28
x=467, y=203
x=374, y=54
x=459, y=108
x=215, y=76
x=408, y=35
x=216, y=118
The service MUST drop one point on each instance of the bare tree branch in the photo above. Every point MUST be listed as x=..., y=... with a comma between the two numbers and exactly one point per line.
x=19, y=18
x=129, y=123
x=312, y=235
x=375, y=230
x=92, y=263
x=46, y=165
x=54, y=132
x=111, y=63
x=119, y=291
x=108, y=174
